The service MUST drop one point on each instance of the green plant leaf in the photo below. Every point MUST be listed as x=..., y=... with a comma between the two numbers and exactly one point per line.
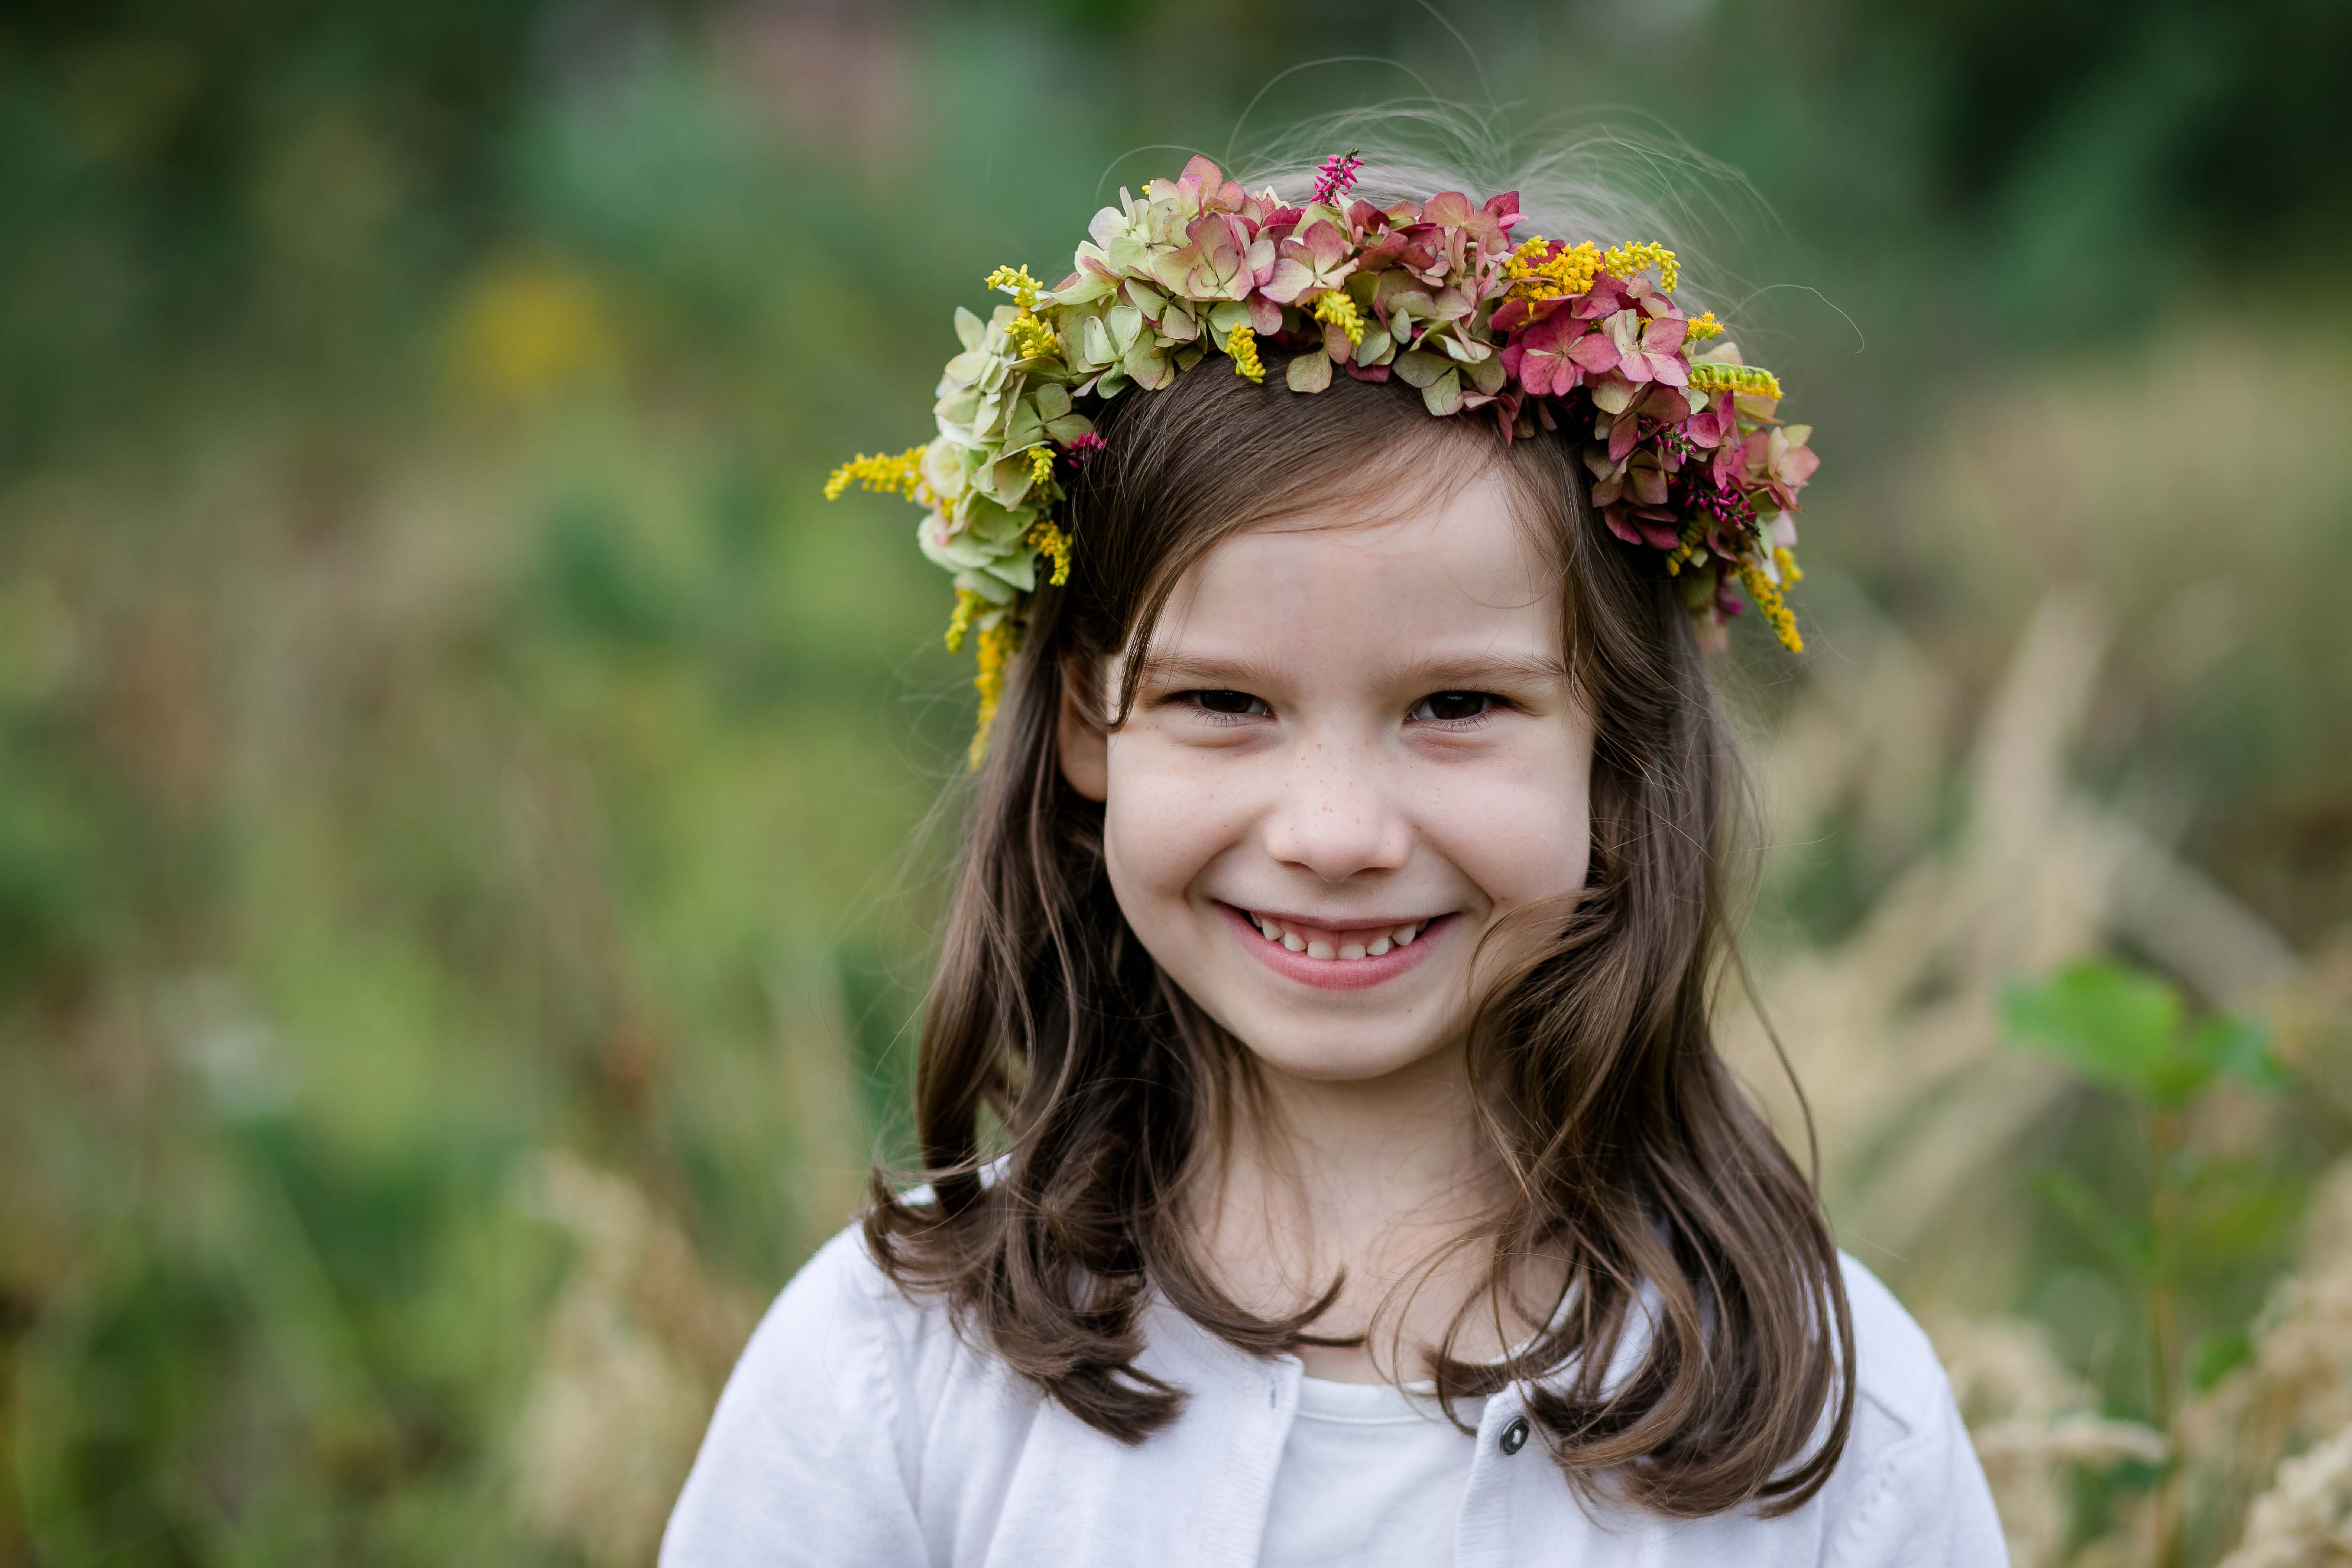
x=2110, y=1024
x=2237, y=1046
x=2215, y=1355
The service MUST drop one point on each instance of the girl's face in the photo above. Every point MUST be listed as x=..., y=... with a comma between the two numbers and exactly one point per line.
x=1354, y=750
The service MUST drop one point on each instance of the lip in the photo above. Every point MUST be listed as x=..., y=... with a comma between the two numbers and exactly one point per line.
x=1335, y=973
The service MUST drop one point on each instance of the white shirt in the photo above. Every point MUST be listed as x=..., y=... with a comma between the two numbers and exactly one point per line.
x=1372, y=1475
x=858, y=1428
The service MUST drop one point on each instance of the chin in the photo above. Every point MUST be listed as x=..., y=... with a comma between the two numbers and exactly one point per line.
x=1347, y=1058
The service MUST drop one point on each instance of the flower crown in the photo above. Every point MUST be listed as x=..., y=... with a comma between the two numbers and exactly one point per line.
x=1685, y=456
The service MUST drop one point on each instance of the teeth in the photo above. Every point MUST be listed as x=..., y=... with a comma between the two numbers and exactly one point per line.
x=1400, y=936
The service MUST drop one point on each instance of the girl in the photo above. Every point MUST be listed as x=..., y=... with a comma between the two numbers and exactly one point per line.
x=1327, y=1157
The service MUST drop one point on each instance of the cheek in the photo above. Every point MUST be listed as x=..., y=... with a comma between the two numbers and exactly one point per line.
x=1524, y=834
x=1163, y=823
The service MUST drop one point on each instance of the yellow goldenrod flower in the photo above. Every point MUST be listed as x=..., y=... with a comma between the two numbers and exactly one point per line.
x=997, y=646
x=1016, y=282
x=1786, y=560
x=1775, y=610
x=1334, y=306
x=1032, y=337
x=1753, y=381
x=1534, y=277
x=900, y=474
x=1625, y=260
x=1701, y=328
x=1055, y=545
x=1041, y=464
x=968, y=604
x=1683, y=553
x=1242, y=344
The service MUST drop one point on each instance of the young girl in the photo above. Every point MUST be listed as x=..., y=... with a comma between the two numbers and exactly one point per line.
x=1327, y=1157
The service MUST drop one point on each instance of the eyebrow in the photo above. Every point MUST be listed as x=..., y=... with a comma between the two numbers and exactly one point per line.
x=1440, y=673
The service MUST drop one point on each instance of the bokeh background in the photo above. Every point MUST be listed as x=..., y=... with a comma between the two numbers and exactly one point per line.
x=462, y=879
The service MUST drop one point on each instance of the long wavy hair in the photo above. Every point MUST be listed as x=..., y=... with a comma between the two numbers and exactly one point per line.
x=1068, y=1093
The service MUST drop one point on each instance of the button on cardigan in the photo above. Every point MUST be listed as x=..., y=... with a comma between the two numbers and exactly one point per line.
x=859, y=1429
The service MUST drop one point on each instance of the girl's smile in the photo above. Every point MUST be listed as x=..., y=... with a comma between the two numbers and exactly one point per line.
x=1337, y=956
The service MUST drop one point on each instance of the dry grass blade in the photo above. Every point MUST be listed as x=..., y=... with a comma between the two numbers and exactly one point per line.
x=635, y=1348
x=2305, y=1521
x=2029, y=1417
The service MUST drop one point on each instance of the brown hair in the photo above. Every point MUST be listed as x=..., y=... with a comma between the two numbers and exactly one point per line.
x=1054, y=1048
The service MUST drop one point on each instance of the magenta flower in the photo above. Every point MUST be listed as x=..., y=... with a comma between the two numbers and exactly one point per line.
x=1336, y=177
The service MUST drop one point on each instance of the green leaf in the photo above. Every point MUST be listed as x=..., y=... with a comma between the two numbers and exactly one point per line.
x=1126, y=324
x=1145, y=299
x=1309, y=371
x=2237, y=1046
x=1146, y=366
x=1022, y=428
x=1094, y=342
x=2112, y=1024
x=1419, y=368
x=1444, y=395
x=2215, y=1355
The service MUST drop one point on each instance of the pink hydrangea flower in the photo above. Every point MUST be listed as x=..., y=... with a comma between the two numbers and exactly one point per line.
x=1542, y=359
x=1637, y=349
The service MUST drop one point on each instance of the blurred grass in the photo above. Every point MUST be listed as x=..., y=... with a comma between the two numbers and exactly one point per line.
x=461, y=904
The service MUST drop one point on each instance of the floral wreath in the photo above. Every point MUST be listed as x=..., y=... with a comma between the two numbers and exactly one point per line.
x=1686, y=457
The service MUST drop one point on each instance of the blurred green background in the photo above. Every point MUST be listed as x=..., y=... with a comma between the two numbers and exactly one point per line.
x=463, y=883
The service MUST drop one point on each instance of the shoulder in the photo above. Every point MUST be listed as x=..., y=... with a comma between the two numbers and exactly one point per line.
x=816, y=1449
x=842, y=1284
x=1909, y=1489
x=1895, y=1367
x=842, y=1335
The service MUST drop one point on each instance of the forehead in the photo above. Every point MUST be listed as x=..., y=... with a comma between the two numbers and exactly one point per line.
x=1456, y=568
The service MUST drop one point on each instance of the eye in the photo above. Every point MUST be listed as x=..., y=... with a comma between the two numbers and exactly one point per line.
x=1225, y=704
x=1454, y=707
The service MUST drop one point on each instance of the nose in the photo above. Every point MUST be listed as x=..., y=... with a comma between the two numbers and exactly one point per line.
x=1338, y=815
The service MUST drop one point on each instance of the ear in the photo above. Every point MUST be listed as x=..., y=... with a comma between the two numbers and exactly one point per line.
x=1084, y=749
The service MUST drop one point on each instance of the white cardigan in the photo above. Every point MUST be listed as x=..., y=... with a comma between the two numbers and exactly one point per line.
x=858, y=1429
